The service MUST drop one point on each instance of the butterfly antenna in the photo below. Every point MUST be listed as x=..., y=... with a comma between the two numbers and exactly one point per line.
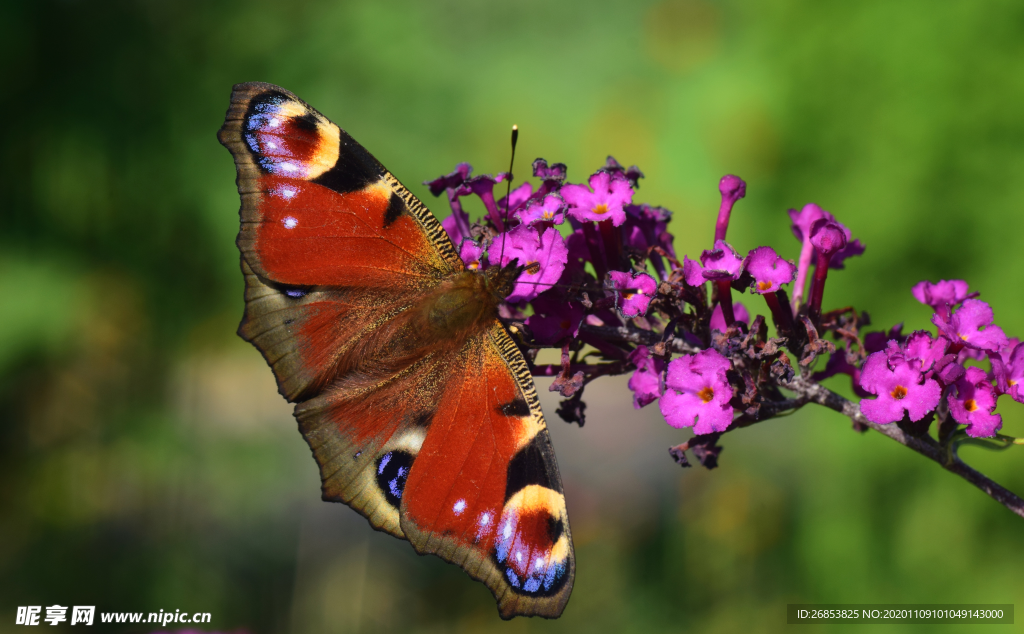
x=508, y=191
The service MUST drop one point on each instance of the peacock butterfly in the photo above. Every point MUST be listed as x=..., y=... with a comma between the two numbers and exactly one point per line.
x=418, y=406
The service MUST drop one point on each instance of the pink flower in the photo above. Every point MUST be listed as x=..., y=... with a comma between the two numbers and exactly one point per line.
x=899, y=387
x=450, y=181
x=483, y=186
x=973, y=404
x=551, y=209
x=1008, y=368
x=516, y=198
x=828, y=236
x=721, y=263
x=543, y=255
x=803, y=221
x=472, y=255
x=633, y=292
x=697, y=393
x=693, y=272
x=555, y=172
x=605, y=199
x=943, y=294
x=921, y=351
x=646, y=380
x=971, y=325
x=769, y=271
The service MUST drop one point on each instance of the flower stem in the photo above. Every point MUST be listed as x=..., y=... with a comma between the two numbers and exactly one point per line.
x=725, y=299
x=596, y=250
x=810, y=392
x=732, y=189
x=612, y=239
x=817, y=288
x=594, y=369
x=722, y=225
x=783, y=316
x=545, y=188
x=801, y=272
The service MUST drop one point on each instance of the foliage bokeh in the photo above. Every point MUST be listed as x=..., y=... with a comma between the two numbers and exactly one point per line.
x=146, y=461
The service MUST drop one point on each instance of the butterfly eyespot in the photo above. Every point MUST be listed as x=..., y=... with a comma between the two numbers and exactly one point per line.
x=295, y=293
x=531, y=545
x=392, y=472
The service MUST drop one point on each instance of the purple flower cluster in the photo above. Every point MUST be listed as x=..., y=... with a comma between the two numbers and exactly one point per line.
x=566, y=236
x=916, y=375
x=602, y=281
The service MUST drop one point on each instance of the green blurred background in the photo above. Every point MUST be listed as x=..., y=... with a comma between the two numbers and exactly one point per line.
x=147, y=462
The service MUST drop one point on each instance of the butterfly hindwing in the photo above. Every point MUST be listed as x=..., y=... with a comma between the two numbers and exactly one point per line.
x=431, y=430
x=484, y=491
x=366, y=437
x=455, y=456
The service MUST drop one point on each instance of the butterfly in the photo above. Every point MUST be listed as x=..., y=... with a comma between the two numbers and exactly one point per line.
x=415, y=401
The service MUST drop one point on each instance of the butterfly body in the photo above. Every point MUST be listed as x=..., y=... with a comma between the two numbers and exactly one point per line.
x=439, y=321
x=417, y=405
x=465, y=304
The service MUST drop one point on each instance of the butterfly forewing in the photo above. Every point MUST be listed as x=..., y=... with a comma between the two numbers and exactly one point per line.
x=317, y=208
x=304, y=331
x=436, y=437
